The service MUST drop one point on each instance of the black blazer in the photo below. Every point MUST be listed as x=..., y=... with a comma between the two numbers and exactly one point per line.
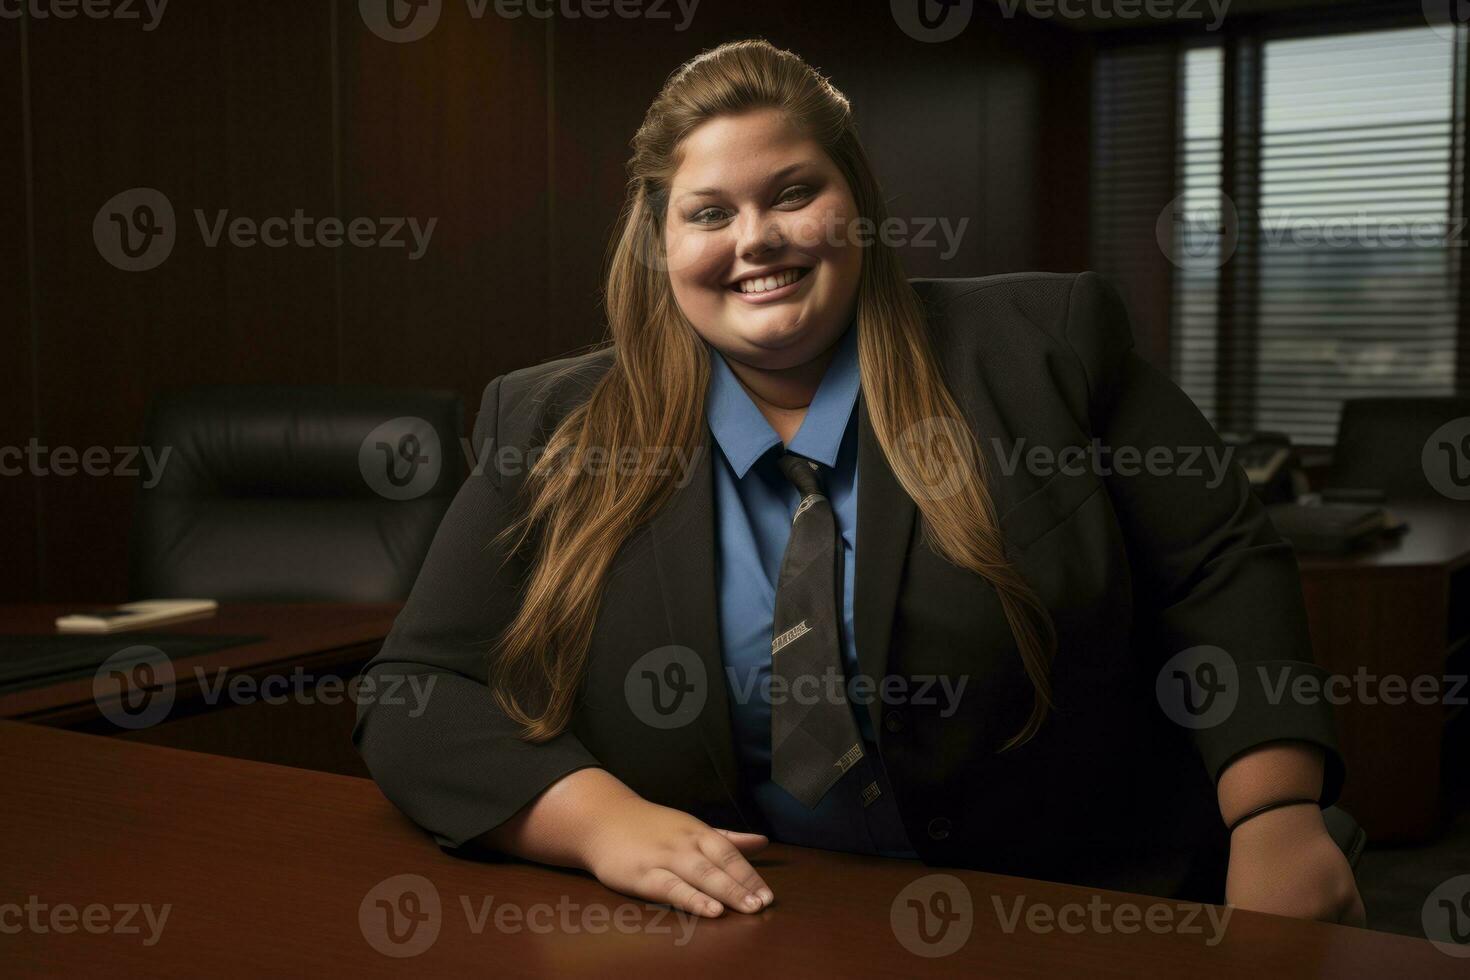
x=1134, y=569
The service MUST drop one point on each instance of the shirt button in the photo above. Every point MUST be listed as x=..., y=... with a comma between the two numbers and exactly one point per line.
x=893, y=721
x=938, y=828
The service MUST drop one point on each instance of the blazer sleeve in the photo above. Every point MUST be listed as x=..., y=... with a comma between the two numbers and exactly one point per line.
x=1209, y=568
x=427, y=725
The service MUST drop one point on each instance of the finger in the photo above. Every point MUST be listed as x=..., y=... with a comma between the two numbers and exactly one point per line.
x=749, y=843
x=663, y=885
x=723, y=852
x=710, y=878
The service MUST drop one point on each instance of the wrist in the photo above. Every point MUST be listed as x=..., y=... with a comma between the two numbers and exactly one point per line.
x=1296, y=822
x=604, y=811
x=1270, y=807
x=1267, y=774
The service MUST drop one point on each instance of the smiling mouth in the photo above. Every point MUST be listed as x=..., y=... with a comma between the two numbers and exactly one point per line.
x=755, y=285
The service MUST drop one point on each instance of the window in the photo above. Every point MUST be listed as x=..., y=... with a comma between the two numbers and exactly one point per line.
x=1311, y=239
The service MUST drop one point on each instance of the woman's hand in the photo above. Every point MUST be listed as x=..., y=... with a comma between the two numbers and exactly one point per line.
x=1286, y=863
x=659, y=854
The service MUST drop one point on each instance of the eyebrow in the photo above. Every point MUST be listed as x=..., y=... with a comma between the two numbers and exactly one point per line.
x=785, y=171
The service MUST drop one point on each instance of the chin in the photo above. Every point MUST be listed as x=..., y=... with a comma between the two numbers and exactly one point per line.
x=788, y=339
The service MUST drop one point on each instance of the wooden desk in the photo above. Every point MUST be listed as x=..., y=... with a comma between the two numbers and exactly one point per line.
x=305, y=646
x=1401, y=609
x=269, y=868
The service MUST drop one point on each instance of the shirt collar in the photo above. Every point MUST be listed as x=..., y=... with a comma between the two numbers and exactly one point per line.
x=745, y=436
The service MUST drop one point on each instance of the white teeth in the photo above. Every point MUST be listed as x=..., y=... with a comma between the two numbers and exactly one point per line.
x=766, y=283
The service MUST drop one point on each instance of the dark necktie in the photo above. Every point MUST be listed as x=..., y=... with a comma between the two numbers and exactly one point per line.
x=814, y=738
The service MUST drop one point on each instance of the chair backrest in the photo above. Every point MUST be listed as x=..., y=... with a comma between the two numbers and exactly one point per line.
x=1381, y=444
x=294, y=493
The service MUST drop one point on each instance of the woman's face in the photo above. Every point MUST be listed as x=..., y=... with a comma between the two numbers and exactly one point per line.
x=755, y=198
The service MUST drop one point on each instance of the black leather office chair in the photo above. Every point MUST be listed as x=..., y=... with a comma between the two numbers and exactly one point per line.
x=294, y=493
x=1380, y=444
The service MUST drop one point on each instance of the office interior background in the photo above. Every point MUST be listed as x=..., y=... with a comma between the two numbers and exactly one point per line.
x=1276, y=187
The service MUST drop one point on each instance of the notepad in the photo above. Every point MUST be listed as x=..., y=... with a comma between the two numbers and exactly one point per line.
x=132, y=615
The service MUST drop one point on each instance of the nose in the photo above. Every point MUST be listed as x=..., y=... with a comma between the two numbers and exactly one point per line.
x=759, y=233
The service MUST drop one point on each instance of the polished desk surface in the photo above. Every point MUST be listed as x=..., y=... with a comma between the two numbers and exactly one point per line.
x=265, y=867
x=295, y=634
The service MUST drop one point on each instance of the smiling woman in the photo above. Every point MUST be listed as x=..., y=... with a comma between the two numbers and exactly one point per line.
x=756, y=261
x=829, y=400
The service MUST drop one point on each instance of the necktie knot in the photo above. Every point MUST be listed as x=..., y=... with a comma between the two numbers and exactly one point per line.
x=804, y=474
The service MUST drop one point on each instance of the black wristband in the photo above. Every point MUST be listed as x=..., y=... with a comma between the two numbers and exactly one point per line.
x=1269, y=807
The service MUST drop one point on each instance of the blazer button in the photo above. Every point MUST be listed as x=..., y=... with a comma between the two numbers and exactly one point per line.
x=893, y=721
x=938, y=828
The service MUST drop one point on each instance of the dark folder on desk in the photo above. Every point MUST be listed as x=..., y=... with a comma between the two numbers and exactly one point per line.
x=1330, y=528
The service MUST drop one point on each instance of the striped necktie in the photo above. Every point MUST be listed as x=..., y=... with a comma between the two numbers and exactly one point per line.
x=814, y=738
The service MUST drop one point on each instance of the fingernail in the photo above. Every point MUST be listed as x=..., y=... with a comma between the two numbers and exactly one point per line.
x=767, y=896
x=752, y=902
x=713, y=908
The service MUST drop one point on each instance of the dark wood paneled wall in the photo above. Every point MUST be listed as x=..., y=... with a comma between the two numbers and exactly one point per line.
x=18, y=489
x=511, y=132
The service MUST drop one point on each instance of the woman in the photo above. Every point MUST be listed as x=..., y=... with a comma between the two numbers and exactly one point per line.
x=813, y=552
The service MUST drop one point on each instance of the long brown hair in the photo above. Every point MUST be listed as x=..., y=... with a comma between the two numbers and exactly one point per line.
x=653, y=395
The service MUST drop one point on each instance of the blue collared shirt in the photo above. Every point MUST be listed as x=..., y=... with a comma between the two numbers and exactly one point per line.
x=754, y=504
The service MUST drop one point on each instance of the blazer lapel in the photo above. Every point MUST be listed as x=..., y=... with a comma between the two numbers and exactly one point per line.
x=683, y=535
x=885, y=521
